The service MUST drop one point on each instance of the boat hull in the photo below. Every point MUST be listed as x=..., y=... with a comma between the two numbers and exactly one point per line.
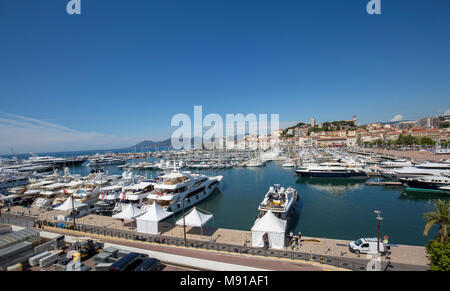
x=178, y=207
x=355, y=175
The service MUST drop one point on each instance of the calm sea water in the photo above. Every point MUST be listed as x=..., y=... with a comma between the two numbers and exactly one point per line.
x=331, y=208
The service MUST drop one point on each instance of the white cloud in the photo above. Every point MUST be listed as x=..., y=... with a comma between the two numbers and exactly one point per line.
x=397, y=117
x=25, y=134
x=447, y=112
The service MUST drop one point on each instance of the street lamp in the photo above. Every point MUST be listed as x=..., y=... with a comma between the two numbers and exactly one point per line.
x=379, y=219
x=184, y=223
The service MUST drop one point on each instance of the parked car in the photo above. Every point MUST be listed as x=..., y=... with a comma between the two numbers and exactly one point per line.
x=129, y=262
x=366, y=246
x=150, y=264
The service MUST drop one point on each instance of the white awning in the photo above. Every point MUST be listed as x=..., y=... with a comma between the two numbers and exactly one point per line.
x=195, y=218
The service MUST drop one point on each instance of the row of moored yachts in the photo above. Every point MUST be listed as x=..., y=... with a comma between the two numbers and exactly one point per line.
x=100, y=192
x=422, y=176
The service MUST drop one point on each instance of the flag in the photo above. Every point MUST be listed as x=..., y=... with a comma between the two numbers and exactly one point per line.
x=123, y=196
x=103, y=195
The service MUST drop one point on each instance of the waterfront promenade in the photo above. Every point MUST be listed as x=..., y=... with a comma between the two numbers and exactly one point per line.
x=417, y=156
x=401, y=257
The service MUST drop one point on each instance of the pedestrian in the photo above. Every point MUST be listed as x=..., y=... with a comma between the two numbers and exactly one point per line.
x=299, y=236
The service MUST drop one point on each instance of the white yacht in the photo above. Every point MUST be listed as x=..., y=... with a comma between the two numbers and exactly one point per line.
x=425, y=169
x=104, y=161
x=289, y=164
x=255, y=163
x=396, y=164
x=135, y=193
x=176, y=190
x=279, y=201
x=10, y=180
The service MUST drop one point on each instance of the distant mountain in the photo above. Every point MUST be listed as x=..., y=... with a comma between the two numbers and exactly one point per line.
x=152, y=144
x=165, y=144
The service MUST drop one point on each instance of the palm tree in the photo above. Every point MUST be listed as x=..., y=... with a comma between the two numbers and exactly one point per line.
x=440, y=216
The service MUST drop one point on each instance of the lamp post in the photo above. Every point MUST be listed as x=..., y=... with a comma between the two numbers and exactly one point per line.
x=379, y=219
x=184, y=224
x=73, y=213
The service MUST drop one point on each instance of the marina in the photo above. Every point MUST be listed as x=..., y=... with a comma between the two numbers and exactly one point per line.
x=326, y=206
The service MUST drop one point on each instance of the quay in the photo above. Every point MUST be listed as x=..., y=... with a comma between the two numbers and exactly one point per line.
x=414, y=155
x=224, y=244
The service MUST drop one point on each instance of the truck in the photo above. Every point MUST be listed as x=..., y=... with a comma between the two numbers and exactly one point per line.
x=366, y=246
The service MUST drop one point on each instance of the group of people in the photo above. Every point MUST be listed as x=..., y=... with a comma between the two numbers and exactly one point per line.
x=295, y=240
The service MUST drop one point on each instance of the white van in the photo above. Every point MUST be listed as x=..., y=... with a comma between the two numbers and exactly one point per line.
x=366, y=246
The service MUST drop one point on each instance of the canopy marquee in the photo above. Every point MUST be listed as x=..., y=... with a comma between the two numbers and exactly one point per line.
x=149, y=221
x=194, y=218
x=273, y=227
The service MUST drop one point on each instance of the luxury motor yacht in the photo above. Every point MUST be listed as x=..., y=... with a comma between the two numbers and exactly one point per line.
x=255, y=163
x=176, y=190
x=396, y=164
x=427, y=182
x=51, y=194
x=104, y=161
x=135, y=193
x=279, y=201
x=331, y=171
x=426, y=169
x=289, y=164
x=12, y=180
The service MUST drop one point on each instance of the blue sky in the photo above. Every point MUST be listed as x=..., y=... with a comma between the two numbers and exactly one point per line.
x=117, y=73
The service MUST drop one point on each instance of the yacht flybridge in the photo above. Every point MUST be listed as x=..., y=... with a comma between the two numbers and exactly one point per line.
x=176, y=190
x=279, y=201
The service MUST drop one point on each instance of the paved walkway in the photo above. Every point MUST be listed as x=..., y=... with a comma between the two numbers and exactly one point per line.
x=409, y=257
x=197, y=259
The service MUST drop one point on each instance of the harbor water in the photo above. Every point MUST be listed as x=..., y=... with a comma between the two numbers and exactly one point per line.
x=331, y=208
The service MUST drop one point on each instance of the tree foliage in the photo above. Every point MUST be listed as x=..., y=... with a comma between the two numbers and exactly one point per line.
x=439, y=253
x=439, y=248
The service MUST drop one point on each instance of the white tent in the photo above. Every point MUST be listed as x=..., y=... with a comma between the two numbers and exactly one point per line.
x=148, y=222
x=67, y=205
x=275, y=229
x=129, y=211
x=195, y=218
